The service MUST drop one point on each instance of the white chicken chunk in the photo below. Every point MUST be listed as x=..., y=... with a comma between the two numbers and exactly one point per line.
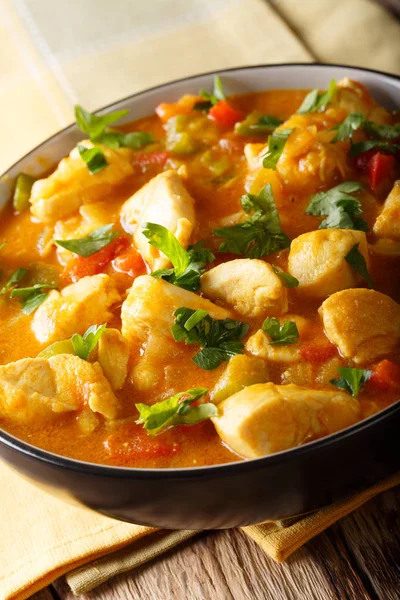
x=78, y=306
x=363, y=324
x=266, y=418
x=147, y=316
x=249, y=286
x=113, y=356
x=353, y=97
x=259, y=344
x=317, y=260
x=72, y=184
x=43, y=388
x=387, y=225
x=163, y=200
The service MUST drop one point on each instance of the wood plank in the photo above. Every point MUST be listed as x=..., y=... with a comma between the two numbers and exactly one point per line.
x=227, y=565
x=372, y=535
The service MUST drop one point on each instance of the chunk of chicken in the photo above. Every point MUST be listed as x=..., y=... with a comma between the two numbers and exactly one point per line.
x=266, y=418
x=147, y=316
x=72, y=184
x=250, y=286
x=387, y=225
x=43, y=388
x=89, y=218
x=364, y=324
x=259, y=344
x=240, y=372
x=317, y=260
x=113, y=356
x=353, y=97
x=78, y=306
x=150, y=306
x=163, y=200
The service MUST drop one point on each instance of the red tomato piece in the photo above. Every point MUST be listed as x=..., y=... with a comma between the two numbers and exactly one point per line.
x=385, y=376
x=379, y=168
x=144, y=159
x=317, y=353
x=225, y=114
x=362, y=160
x=130, y=262
x=79, y=266
x=138, y=444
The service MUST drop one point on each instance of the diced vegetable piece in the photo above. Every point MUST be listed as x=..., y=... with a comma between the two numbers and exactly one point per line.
x=134, y=443
x=22, y=192
x=79, y=267
x=145, y=159
x=362, y=160
x=317, y=353
x=217, y=166
x=184, y=106
x=179, y=139
x=130, y=262
x=224, y=114
x=379, y=168
x=385, y=376
x=241, y=371
x=257, y=124
x=63, y=347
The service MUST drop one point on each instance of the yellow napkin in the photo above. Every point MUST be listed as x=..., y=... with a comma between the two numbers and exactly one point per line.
x=95, y=53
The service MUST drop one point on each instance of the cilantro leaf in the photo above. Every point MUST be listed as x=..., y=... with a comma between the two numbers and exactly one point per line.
x=24, y=293
x=93, y=157
x=219, y=339
x=176, y=410
x=384, y=132
x=33, y=301
x=288, y=280
x=188, y=266
x=135, y=139
x=276, y=143
x=257, y=124
x=14, y=279
x=342, y=210
x=210, y=100
x=93, y=242
x=285, y=334
x=83, y=345
x=315, y=101
x=351, y=380
x=94, y=125
x=361, y=147
x=261, y=234
x=346, y=129
x=356, y=260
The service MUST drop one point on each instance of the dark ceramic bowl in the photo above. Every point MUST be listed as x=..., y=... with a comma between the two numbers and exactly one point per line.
x=285, y=484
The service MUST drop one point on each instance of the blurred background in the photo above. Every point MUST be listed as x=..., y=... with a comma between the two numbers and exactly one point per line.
x=56, y=53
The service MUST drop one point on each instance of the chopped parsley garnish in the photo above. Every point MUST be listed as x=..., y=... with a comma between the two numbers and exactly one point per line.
x=285, y=334
x=93, y=242
x=276, y=143
x=94, y=125
x=32, y=297
x=317, y=101
x=341, y=210
x=13, y=280
x=351, y=380
x=210, y=100
x=346, y=129
x=383, y=132
x=219, y=339
x=188, y=266
x=257, y=124
x=93, y=157
x=261, y=234
x=83, y=345
x=356, y=260
x=361, y=147
x=288, y=280
x=176, y=410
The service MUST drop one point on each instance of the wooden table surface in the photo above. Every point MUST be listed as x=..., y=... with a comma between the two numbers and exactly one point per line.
x=358, y=558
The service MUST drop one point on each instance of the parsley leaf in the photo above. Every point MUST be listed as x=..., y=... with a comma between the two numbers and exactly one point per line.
x=188, y=265
x=32, y=302
x=31, y=296
x=14, y=279
x=361, y=147
x=93, y=157
x=285, y=334
x=219, y=339
x=135, y=139
x=340, y=208
x=276, y=143
x=93, y=242
x=83, y=345
x=356, y=260
x=176, y=410
x=346, y=129
x=351, y=380
x=384, y=132
x=257, y=124
x=210, y=100
x=261, y=234
x=288, y=280
x=315, y=101
x=94, y=125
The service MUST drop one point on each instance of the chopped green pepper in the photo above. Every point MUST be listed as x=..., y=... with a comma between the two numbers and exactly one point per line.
x=217, y=166
x=62, y=347
x=22, y=192
x=257, y=123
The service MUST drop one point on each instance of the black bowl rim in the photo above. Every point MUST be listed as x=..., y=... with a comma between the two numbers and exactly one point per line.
x=72, y=464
